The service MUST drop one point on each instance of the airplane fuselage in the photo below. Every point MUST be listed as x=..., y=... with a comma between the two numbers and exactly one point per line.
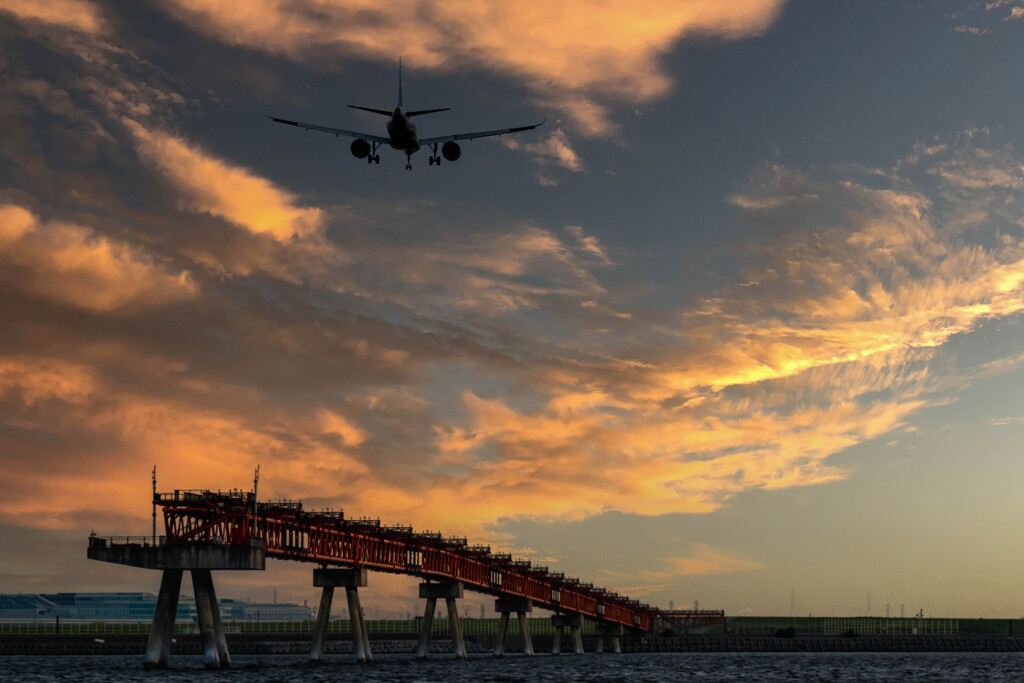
x=402, y=132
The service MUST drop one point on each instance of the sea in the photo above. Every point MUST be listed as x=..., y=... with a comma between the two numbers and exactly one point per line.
x=825, y=666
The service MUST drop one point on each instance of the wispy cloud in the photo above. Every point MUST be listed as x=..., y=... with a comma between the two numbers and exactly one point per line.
x=576, y=56
x=702, y=560
x=1004, y=421
x=555, y=149
x=209, y=184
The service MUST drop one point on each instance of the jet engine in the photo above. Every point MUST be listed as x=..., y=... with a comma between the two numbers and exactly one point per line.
x=361, y=149
x=451, y=151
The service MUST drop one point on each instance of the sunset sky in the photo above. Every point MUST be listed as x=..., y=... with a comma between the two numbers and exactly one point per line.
x=742, y=323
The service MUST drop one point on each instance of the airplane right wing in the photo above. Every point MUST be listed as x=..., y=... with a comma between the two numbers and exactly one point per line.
x=335, y=131
x=481, y=134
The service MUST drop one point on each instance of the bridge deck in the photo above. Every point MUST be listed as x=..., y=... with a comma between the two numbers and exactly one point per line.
x=288, y=532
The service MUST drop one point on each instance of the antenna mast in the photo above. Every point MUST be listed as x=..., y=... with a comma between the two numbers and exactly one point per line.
x=255, y=501
x=154, y=505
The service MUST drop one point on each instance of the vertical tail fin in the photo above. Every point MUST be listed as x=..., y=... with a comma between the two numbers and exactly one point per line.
x=399, y=80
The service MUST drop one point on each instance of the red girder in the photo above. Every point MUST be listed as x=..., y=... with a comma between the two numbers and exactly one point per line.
x=290, y=534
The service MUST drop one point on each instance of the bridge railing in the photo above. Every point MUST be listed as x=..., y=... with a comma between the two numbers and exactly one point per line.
x=144, y=541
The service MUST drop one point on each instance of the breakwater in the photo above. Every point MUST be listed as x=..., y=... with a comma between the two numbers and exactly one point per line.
x=298, y=644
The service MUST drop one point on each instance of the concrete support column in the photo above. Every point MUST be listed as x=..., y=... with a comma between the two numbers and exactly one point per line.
x=218, y=629
x=423, y=648
x=351, y=580
x=358, y=625
x=456, y=626
x=449, y=592
x=323, y=620
x=499, y=648
x=522, y=606
x=574, y=622
x=158, y=648
x=202, y=584
x=524, y=628
x=613, y=631
x=577, y=640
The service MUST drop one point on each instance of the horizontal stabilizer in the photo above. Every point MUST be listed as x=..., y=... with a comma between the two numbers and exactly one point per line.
x=426, y=111
x=383, y=112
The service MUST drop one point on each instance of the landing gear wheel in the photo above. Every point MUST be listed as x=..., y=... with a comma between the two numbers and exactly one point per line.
x=408, y=167
x=430, y=161
x=376, y=158
x=437, y=160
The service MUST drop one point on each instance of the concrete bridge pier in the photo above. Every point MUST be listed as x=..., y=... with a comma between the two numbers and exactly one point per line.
x=449, y=592
x=158, y=647
x=574, y=622
x=612, y=631
x=211, y=630
x=505, y=606
x=351, y=580
x=171, y=561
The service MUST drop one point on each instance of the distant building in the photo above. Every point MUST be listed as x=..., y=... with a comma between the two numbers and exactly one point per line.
x=22, y=606
x=113, y=606
x=276, y=611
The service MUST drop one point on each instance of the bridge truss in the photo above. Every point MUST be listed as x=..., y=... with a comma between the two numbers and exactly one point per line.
x=326, y=537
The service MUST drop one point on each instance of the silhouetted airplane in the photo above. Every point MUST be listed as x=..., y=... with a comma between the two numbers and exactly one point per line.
x=402, y=134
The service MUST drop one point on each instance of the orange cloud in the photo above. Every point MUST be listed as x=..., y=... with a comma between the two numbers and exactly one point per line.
x=210, y=185
x=33, y=380
x=77, y=14
x=123, y=434
x=332, y=423
x=575, y=55
x=75, y=265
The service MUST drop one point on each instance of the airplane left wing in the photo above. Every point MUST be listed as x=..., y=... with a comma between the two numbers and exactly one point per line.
x=335, y=131
x=480, y=134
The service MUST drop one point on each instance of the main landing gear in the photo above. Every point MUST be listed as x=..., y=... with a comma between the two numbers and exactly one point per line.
x=434, y=159
x=408, y=162
x=374, y=158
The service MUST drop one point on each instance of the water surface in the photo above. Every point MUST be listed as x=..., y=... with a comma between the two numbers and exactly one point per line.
x=825, y=666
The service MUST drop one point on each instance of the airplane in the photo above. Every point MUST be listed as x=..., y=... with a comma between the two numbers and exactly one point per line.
x=402, y=133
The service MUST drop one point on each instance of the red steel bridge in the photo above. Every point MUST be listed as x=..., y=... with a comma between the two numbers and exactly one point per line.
x=326, y=537
x=209, y=530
